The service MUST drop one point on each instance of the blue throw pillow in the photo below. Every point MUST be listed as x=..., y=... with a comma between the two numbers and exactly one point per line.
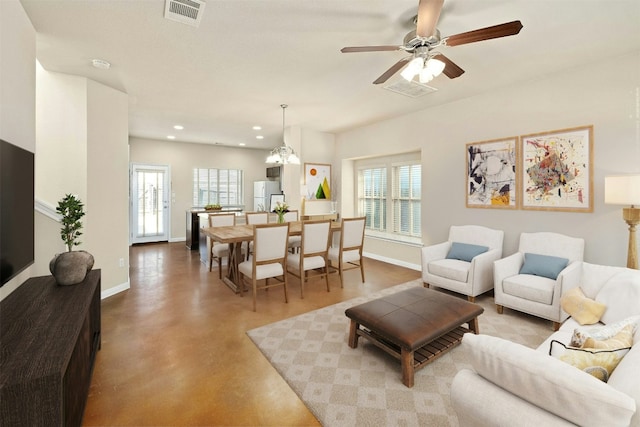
x=543, y=265
x=465, y=251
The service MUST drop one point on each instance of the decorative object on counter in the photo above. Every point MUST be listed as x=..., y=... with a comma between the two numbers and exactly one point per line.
x=213, y=207
x=71, y=267
x=280, y=209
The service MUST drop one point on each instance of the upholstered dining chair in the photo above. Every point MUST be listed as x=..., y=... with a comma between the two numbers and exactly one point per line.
x=219, y=250
x=533, y=280
x=253, y=218
x=269, y=259
x=348, y=253
x=464, y=263
x=294, y=241
x=313, y=254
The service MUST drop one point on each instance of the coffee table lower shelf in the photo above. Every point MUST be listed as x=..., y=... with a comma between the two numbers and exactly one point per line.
x=417, y=359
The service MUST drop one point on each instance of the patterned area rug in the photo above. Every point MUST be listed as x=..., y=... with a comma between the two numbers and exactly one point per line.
x=346, y=387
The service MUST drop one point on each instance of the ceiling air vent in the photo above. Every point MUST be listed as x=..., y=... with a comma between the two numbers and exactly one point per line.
x=411, y=89
x=186, y=11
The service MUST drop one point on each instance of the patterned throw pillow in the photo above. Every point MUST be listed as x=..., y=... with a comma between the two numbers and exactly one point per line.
x=584, y=310
x=599, y=363
x=601, y=332
x=622, y=339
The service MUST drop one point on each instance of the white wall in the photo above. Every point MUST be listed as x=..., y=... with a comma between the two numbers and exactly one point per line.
x=604, y=94
x=82, y=149
x=17, y=91
x=184, y=157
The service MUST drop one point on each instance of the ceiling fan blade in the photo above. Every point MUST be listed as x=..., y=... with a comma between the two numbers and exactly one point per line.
x=502, y=30
x=428, y=14
x=451, y=70
x=391, y=71
x=368, y=48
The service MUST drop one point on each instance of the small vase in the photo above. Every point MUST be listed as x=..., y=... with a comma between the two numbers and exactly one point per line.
x=280, y=217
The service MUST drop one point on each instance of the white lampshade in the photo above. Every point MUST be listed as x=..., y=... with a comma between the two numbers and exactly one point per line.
x=435, y=67
x=425, y=75
x=412, y=69
x=622, y=190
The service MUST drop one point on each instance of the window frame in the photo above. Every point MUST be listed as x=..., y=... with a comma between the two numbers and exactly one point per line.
x=218, y=189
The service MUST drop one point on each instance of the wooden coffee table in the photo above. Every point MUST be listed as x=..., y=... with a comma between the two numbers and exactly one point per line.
x=416, y=325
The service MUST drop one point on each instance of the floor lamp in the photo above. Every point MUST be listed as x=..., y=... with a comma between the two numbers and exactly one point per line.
x=625, y=190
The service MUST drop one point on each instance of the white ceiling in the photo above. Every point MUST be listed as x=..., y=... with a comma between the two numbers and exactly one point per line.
x=248, y=57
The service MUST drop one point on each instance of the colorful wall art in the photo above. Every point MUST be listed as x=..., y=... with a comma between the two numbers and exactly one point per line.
x=491, y=174
x=557, y=171
x=317, y=179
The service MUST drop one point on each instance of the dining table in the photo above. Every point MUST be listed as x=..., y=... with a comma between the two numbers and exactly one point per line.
x=235, y=236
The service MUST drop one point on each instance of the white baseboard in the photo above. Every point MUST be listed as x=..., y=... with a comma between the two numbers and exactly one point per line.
x=115, y=290
x=393, y=261
x=177, y=239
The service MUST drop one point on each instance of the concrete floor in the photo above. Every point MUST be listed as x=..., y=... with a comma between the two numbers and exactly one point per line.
x=175, y=352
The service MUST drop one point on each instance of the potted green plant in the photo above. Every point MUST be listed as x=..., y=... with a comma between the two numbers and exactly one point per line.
x=71, y=267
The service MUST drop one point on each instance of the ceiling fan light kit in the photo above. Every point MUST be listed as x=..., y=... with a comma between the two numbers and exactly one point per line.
x=423, y=42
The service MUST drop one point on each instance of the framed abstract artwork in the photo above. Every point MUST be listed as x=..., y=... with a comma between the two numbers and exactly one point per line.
x=317, y=180
x=557, y=170
x=492, y=178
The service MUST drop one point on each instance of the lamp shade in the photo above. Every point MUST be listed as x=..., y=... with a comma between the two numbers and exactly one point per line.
x=622, y=190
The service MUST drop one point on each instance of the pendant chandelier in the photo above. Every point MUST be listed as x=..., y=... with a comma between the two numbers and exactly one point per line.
x=283, y=154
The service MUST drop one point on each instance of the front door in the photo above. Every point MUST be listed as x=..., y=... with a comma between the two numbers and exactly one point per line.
x=149, y=203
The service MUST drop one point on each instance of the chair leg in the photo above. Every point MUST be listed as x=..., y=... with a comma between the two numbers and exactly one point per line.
x=499, y=308
x=219, y=268
x=326, y=276
x=556, y=326
x=362, y=269
x=255, y=292
x=210, y=260
x=425, y=284
x=471, y=299
x=284, y=278
x=340, y=273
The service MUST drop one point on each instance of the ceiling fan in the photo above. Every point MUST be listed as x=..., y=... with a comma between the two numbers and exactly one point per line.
x=425, y=61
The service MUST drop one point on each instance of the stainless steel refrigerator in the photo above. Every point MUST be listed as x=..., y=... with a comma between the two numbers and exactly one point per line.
x=262, y=191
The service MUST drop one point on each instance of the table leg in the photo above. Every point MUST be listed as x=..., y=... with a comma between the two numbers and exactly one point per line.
x=408, y=370
x=233, y=279
x=473, y=326
x=353, y=334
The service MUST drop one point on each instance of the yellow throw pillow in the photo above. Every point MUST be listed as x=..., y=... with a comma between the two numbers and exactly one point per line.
x=598, y=363
x=584, y=310
x=622, y=339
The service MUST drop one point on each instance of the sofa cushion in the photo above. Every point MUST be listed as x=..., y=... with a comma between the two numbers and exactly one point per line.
x=599, y=363
x=584, y=310
x=543, y=265
x=465, y=251
x=601, y=332
x=532, y=288
x=625, y=379
x=548, y=382
x=450, y=269
x=621, y=295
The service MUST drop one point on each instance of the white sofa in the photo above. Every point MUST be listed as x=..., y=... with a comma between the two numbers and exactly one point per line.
x=511, y=384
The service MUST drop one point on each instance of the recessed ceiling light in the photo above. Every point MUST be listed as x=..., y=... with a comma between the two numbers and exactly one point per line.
x=242, y=144
x=171, y=137
x=178, y=127
x=101, y=64
x=259, y=137
x=257, y=128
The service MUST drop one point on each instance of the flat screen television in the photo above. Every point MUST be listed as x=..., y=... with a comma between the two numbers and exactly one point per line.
x=16, y=210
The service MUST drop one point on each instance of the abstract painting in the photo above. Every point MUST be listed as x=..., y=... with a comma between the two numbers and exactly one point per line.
x=491, y=174
x=317, y=179
x=557, y=171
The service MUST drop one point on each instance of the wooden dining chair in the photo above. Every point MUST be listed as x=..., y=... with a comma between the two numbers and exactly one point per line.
x=253, y=218
x=348, y=254
x=294, y=241
x=219, y=250
x=269, y=259
x=313, y=254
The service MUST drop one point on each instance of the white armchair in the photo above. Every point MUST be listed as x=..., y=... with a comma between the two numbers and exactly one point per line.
x=470, y=277
x=539, y=294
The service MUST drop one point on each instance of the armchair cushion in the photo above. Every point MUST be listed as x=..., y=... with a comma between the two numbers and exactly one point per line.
x=465, y=251
x=584, y=310
x=453, y=269
x=531, y=288
x=543, y=265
